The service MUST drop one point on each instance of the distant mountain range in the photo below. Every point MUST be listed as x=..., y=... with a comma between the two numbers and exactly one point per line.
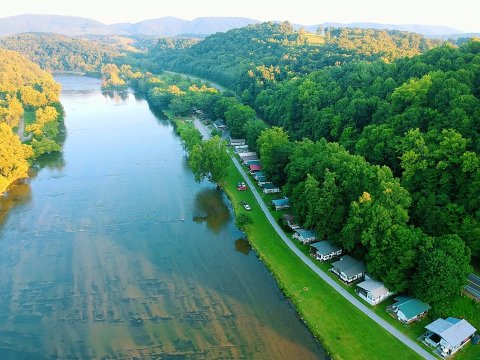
x=171, y=26
x=74, y=26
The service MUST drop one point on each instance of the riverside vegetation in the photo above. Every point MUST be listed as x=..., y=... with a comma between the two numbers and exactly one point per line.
x=30, y=106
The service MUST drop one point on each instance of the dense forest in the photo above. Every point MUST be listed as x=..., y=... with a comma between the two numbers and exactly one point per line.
x=29, y=111
x=253, y=57
x=419, y=116
x=56, y=52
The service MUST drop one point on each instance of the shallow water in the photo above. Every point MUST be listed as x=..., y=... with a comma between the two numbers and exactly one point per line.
x=112, y=250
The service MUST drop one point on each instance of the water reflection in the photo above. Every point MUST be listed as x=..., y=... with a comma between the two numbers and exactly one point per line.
x=119, y=97
x=18, y=194
x=210, y=207
x=243, y=246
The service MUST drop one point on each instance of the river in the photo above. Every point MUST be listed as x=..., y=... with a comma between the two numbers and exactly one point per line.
x=112, y=250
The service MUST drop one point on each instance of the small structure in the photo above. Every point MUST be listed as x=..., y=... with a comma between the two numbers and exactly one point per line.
x=305, y=236
x=324, y=250
x=280, y=204
x=253, y=162
x=245, y=154
x=290, y=221
x=448, y=336
x=269, y=188
x=257, y=174
x=245, y=159
x=255, y=168
x=219, y=124
x=348, y=269
x=261, y=180
x=407, y=309
x=241, y=149
x=373, y=291
x=237, y=142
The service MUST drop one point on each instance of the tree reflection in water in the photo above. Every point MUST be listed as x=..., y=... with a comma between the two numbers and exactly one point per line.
x=18, y=194
x=243, y=246
x=210, y=207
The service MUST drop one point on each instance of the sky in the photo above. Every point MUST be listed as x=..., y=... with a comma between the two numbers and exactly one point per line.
x=459, y=14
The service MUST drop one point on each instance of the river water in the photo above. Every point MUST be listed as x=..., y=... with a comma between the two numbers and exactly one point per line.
x=112, y=250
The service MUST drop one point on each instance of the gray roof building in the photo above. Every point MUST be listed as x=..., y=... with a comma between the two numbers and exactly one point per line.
x=348, y=269
x=448, y=335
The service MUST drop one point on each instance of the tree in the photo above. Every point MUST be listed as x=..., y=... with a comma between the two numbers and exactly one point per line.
x=13, y=157
x=111, y=77
x=275, y=150
x=253, y=129
x=329, y=202
x=190, y=137
x=44, y=146
x=243, y=220
x=222, y=105
x=208, y=160
x=443, y=266
x=236, y=117
x=311, y=197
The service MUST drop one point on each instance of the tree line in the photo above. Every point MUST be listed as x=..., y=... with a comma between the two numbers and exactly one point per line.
x=54, y=52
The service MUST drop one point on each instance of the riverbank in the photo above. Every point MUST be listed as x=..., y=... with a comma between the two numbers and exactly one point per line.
x=343, y=330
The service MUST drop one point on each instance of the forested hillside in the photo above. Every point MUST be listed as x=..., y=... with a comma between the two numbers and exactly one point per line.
x=258, y=55
x=61, y=53
x=418, y=116
x=29, y=105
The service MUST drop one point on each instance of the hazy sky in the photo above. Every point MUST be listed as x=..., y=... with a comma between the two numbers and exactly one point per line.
x=460, y=14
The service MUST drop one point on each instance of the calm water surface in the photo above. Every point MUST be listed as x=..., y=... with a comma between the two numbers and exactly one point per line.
x=111, y=250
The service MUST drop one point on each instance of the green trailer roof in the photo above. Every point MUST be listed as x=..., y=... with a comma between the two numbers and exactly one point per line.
x=411, y=307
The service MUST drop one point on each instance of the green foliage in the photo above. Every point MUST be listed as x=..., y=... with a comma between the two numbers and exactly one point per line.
x=243, y=220
x=189, y=135
x=275, y=149
x=44, y=146
x=236, y=118
x=252, y=129
x=442, y=270
x=254, y=57
x=443, y=178
x=208, y=160
x=56, y=52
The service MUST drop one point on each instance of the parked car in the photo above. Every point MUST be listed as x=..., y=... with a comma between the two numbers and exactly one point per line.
x=241, y=186
x=245, y=205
